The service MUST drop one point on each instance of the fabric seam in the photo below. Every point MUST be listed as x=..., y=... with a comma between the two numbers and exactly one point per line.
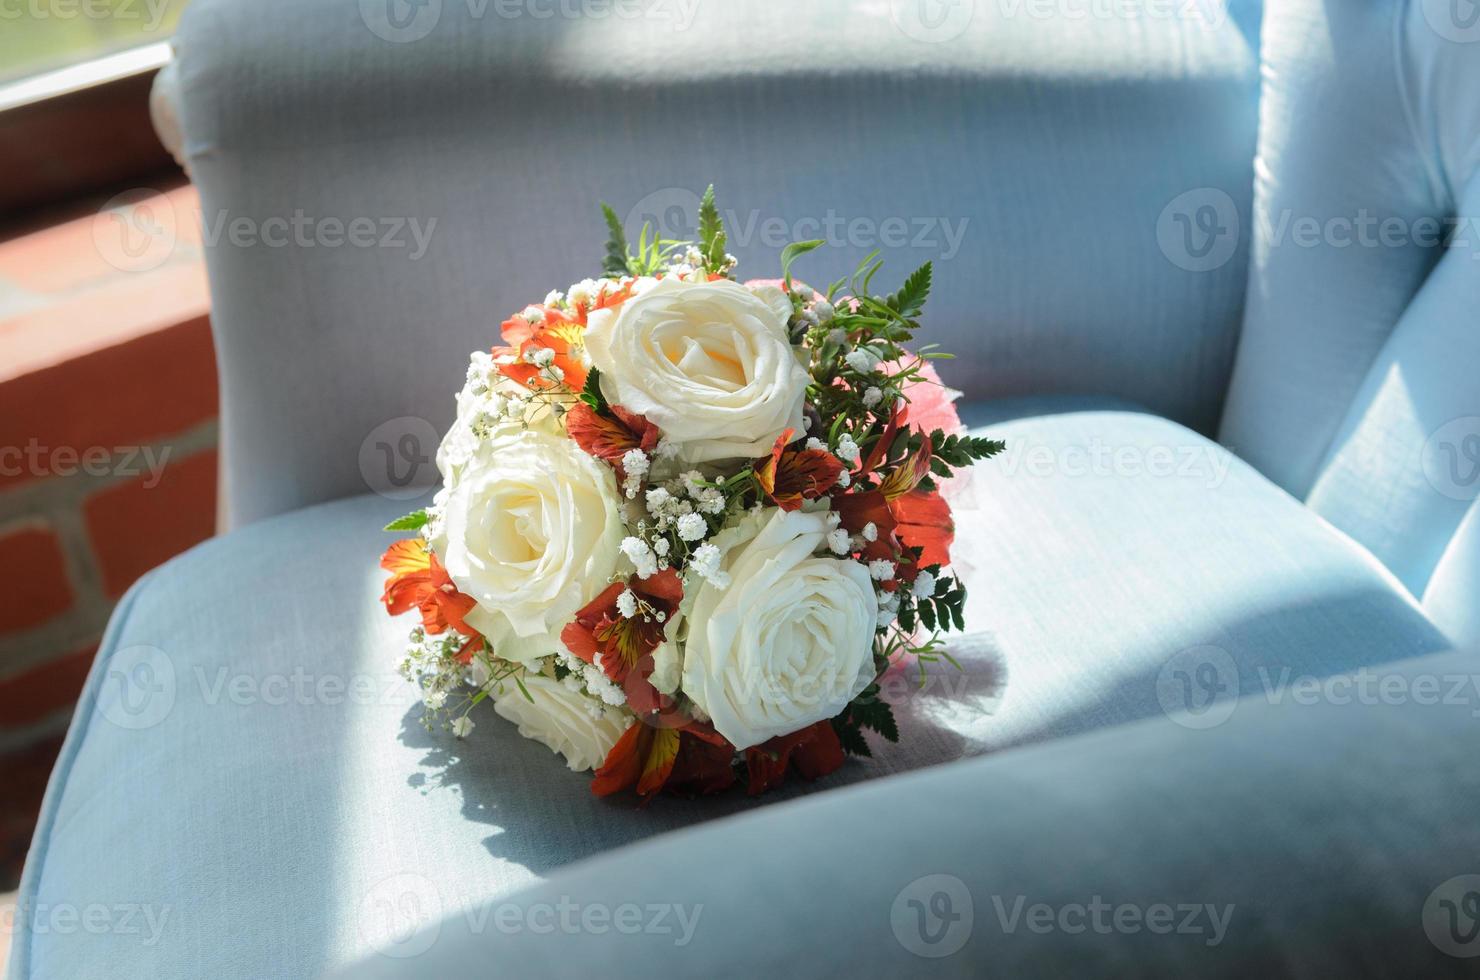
x=61, y=775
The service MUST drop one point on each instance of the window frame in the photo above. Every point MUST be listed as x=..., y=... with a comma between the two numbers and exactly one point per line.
x=80, y=131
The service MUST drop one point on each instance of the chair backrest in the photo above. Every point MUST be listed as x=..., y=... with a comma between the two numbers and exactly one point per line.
x=1029, y=157
x=1357, y=385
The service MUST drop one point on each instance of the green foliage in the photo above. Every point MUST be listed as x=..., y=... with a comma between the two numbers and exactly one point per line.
x=794, y=251
x=616, y=259
x=867, y=711
x=711, y=233
x=910, y=299
x=413, y=521
x=957, y=451
x=591, y=394
x=946, y=607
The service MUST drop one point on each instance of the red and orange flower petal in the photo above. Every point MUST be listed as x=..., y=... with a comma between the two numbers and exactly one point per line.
x=923, y=520
x=702, y=766
x=443, y=605
x=410, y=565
x=623, y=765
x=866, y=507
x=657, y=764
x=649, y=759
x=626, y=645
x=885, y=440
x=610, y=437
x=419, y=581
x=790, y=476
x=815, y=751
x=820, y=755
x=908, y=474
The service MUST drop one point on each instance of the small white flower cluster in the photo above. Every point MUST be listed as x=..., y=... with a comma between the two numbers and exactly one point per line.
x=924, y=586
x=497, y=402
x=690, y=265
x=840, y=542
x=847, y=450
x=588, y=679
x=429, y=662
x=706, y=561
x=864, y=360
x=543, y=358
x=888, y=609
x=629, y=606
x=642, y=556
x=586, y=292
x=635, y=465
x=677, y=508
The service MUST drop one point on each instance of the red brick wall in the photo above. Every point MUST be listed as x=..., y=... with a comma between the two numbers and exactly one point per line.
x=108, y=407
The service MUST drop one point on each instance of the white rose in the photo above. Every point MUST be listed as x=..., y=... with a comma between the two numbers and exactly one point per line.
x=488, y=402
x=530, y=530
x=790, y=641
x=567, y=721
x=708, y=363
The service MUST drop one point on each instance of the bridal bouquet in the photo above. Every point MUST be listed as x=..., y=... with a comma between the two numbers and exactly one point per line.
x=688, y=523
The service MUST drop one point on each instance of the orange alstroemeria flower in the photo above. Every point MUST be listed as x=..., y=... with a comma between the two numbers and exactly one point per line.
x=558, y=331
x=790, y=476
x=923, y=520
x=625, y=644
x=914, y=519
x=418, y=581
x=611, y=436
x=562, y=331
x=692, y=760
x=815, y=751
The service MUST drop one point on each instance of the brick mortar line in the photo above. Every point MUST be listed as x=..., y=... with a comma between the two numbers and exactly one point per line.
x=20, y=739
x=58, y=502
x=38, y=493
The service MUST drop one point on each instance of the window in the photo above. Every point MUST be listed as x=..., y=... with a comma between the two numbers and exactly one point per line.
x=74, y=100
x=43, y=35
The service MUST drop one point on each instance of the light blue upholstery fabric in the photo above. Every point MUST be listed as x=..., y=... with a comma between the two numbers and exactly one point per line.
x=246, y=764
x=1452, y=599
x=1358, y=377
x=1320, y=834
x=1052, y=146
x=1336, y=144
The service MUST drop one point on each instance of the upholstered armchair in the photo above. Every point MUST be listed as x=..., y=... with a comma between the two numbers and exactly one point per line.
x=1203, y=272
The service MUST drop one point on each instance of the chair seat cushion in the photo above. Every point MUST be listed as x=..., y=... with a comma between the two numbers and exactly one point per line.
x=248, y=772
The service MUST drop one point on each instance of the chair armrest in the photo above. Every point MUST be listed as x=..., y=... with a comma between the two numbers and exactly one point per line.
x=1033, y=160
